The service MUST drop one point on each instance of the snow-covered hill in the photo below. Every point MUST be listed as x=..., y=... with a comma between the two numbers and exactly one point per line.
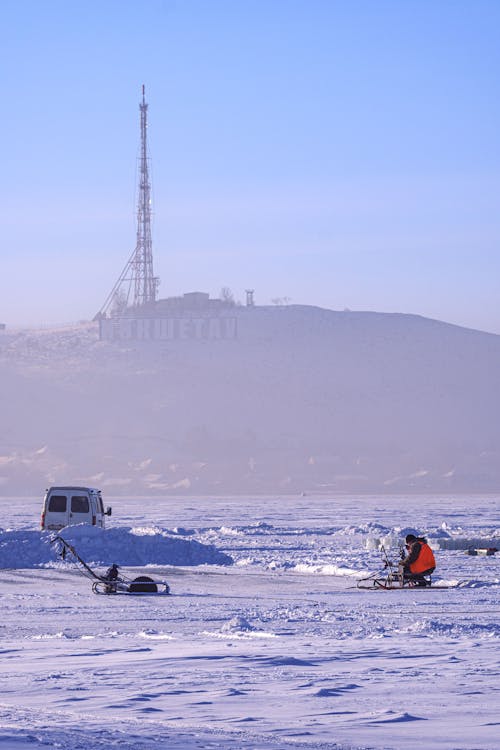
x=304, y=399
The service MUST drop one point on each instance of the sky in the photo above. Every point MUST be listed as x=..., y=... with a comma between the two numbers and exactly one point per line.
x=340, y=153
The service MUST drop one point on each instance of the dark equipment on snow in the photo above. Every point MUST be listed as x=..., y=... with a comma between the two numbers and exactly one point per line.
x=488, y=551
x=112, y=573
x=111, y=582
x=392, y=577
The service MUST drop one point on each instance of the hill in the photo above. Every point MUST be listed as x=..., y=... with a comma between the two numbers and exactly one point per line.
x=303, y=400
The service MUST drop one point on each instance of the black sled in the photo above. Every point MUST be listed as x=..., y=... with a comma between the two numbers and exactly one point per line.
x=104, y=585
x=139, y=585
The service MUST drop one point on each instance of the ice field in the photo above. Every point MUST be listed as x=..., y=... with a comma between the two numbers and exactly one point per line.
x=265, y=641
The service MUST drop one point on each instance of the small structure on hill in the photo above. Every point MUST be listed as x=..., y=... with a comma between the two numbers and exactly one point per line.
x=194, y=316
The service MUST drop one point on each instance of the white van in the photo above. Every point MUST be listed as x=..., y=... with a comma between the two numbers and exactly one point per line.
x=67, y=506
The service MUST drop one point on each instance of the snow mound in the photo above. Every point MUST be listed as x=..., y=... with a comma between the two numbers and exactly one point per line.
x=237, y=628
x=125, y=546
x=432, y=627
x=237, y=623
x=329, y=570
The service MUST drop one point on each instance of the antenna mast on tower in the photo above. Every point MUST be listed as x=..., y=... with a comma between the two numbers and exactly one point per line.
x=137, y=285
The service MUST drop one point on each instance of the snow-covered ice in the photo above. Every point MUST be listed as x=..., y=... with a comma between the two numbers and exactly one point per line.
x=265, y=641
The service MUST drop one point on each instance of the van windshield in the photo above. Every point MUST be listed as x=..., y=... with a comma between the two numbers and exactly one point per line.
x=57, y=504
x=79, y=504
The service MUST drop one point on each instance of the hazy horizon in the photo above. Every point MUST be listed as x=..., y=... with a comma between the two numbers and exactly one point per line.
x=297, y=399
x=342, y=155
x=54, y=325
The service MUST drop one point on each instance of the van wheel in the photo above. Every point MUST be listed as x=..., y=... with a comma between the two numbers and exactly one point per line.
x=144, y=585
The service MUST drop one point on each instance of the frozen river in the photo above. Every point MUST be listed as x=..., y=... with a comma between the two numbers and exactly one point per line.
x=277, y=650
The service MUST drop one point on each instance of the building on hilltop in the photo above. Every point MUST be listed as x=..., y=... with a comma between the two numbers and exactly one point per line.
x=194, y=316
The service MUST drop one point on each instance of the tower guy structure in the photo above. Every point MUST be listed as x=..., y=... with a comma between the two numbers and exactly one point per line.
x=137, y=285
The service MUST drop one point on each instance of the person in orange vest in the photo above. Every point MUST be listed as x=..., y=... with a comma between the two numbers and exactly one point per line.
x=419, y=561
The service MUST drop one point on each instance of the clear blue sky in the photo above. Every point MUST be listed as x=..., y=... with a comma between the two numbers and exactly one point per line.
x=338, y=153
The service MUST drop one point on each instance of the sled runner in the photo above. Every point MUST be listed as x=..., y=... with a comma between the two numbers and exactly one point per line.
x=391, y=577
x=139, y=585
x=104, y=585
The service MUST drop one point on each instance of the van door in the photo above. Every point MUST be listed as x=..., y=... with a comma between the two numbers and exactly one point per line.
x=57, y=512
x=101, y=513
x=96, y=514
x=79, y=509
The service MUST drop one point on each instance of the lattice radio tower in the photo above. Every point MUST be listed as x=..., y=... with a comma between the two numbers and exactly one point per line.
x=137, y=285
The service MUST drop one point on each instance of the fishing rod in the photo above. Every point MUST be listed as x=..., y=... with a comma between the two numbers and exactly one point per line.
x=67, y=547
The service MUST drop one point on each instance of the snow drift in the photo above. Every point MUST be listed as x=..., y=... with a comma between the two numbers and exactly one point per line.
x=124, y=545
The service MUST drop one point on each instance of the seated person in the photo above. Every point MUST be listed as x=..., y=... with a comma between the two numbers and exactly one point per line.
x=419, y=561
x=111, y=576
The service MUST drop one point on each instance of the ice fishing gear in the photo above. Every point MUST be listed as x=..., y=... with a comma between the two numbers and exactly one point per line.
x=112, y=582
x=488, y=551
x=389, y=577
x=392, y=577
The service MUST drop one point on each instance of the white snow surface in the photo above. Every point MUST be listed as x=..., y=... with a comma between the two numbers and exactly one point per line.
x=265, y=641
x=27, y=548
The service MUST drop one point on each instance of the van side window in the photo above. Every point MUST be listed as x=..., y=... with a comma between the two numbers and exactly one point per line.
x=57, y=504
x=101, y=506
x=79, y=504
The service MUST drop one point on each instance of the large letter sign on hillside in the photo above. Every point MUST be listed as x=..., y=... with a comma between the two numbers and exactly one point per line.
x=169, y=329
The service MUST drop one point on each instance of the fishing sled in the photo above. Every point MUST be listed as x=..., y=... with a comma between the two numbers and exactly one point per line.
x=103, y=585
x=139, y=585
x=391, y=577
